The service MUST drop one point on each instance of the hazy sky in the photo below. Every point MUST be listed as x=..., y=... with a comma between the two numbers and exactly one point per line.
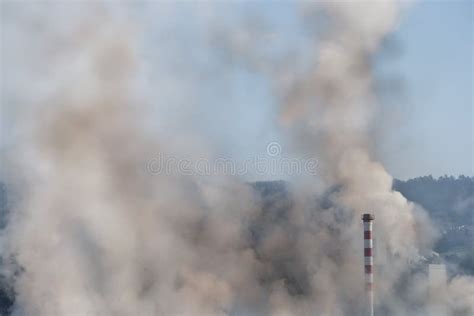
x=435, y=62
x=425, y=72
x=427, y=64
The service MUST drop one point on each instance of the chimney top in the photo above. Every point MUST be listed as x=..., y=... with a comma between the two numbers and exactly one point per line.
x=368, y=217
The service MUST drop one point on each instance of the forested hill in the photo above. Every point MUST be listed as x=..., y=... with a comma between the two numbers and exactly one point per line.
x=450, y=204
x=447, y=199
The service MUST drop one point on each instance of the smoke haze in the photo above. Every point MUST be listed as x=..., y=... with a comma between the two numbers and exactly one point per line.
x=88, y=100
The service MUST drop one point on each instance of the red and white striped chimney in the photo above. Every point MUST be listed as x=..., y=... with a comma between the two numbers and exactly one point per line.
x=368, y=263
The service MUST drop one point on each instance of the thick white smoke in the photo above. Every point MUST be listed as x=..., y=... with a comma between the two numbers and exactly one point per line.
x=96, y=234
x=332, y=107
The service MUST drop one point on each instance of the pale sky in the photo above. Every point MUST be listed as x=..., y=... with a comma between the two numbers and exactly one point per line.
x=425, y=72
x=435, y=64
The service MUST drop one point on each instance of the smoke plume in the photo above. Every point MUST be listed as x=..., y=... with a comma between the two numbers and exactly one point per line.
x=95, y=233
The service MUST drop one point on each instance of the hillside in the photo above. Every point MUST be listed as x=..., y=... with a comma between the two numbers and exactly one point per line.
x=450, y=204
x=447, y=199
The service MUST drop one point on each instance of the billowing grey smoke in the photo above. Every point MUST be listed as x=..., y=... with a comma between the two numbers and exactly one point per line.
x=331, y=107
x=96, y=234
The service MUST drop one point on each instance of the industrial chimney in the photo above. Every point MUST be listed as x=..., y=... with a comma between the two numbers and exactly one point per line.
x=368, y=264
